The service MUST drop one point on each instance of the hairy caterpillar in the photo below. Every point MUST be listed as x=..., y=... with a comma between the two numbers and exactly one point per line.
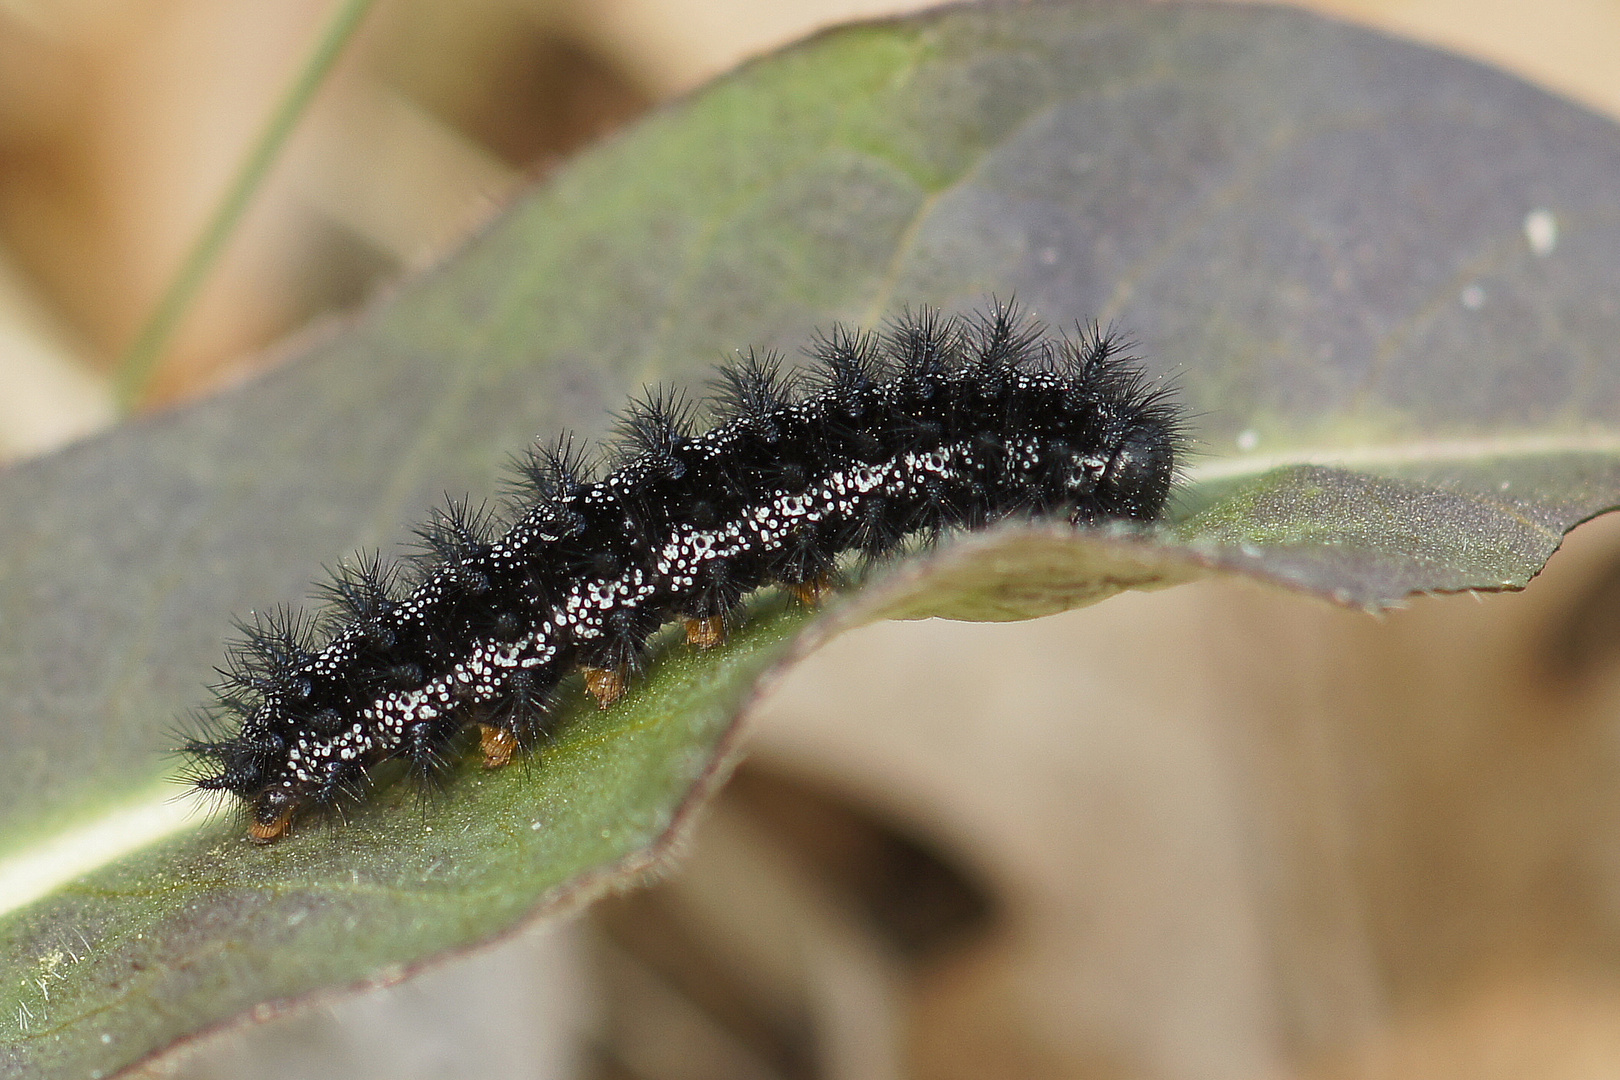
x=936, y=423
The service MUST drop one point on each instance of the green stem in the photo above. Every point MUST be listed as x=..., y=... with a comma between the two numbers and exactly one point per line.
x=135, y=367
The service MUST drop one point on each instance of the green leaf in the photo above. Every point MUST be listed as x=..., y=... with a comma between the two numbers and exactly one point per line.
x=1383, y=278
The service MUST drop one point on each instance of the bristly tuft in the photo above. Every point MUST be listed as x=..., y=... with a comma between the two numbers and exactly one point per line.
x=269, y=651
x=360, y=590
x=750, y=388
x=455, y=535
x=546, y=471
x=1002, y=339
x=923, y=344
x=654, y=424
x=845, y=361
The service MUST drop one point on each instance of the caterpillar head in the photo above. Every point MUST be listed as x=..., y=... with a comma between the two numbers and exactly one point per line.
x=1136, y=480
x=1130, y=479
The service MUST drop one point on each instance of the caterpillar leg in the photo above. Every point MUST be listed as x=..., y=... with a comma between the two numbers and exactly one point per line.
x=497, y=744
x=607, y=685
x=811, y=593
x=263, y=832
x=705, y=633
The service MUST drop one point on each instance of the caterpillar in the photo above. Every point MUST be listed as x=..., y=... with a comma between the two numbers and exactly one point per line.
x=935, y=423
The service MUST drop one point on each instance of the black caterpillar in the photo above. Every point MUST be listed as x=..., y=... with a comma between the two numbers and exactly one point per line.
x=937, y=423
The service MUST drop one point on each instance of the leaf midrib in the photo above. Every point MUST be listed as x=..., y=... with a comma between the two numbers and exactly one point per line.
x=1425, y=451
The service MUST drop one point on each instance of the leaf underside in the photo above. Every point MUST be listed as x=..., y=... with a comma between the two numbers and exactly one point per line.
x=1286, y=214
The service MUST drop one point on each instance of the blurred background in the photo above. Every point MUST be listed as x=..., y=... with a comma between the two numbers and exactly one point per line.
x=1326, y=846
